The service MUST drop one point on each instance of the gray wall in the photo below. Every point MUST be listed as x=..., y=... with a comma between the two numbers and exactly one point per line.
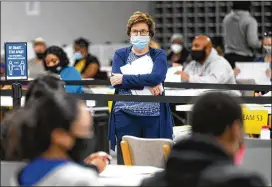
x=61, y=22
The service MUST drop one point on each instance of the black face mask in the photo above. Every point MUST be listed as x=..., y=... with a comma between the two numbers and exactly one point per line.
x=54, y=69
x=40, y=56
x=82, y=148
x=198, y=55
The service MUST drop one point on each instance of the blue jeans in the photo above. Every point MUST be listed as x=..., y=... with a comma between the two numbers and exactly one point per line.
x=138, y=126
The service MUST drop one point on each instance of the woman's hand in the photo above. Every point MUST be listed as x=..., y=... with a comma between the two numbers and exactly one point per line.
x=236, y=71
x=156, y=90
x=268, y=73
x=100, y=160
x=116, y=79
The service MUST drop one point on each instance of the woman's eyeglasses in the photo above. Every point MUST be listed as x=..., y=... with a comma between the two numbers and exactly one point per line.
x=142, y=32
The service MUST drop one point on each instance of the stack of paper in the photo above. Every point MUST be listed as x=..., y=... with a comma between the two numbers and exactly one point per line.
x=254, y=70
x=143, y=65
x=171, y=76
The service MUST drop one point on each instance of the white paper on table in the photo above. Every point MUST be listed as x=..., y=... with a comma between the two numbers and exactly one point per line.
x=268, y=94
x=171, y=76
x=123, y=171
x=143, y=65
x=254, y=70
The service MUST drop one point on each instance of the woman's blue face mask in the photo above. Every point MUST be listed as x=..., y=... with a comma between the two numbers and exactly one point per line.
x=139, y=42
x=78, y=55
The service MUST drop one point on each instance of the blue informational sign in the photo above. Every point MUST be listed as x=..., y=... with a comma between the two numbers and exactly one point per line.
x=16, y=61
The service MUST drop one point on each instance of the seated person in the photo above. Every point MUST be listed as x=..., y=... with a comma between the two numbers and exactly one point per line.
x=56, y=61
x=207, y=66
x=2, y=67
x=2, y=71
x=53, y=142
x=35, y=66
x=87, y=64
x=178, y=54
x=207, y=158
x=267, y=44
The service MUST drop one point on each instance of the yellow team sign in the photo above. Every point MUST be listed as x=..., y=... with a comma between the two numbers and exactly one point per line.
x=254, y=120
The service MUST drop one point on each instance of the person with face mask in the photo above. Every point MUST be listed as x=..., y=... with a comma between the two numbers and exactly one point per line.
x=267, y=45
x=86, y=63
x=178, y=54
x=207, y=66
x=140, y=119
x=55, y=143
x=35, y=66
x=267, y=48
x=208, y=157
x=57, y=62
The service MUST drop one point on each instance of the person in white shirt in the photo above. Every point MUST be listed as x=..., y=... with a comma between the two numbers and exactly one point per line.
x=207, y=66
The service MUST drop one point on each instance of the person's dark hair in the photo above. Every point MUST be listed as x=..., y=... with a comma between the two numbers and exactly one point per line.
x=214, y=112
x=31, y=127
x=44, y=86
x=241, y=5
x=60, y=53
x=82, y=43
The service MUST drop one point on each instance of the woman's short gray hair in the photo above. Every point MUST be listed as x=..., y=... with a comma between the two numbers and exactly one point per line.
x=177, y=36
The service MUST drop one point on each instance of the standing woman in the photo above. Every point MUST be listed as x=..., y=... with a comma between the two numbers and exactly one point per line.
x=140, y=119
x=56, y=61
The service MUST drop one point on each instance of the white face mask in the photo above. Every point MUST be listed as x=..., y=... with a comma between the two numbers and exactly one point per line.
x=267, y=49
x=176, y=48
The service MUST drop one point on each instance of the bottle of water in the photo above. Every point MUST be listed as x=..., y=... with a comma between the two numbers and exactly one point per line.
x=265, y=133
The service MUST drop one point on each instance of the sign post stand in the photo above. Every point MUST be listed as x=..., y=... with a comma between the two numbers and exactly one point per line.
x=16, y=68
x=16, y=95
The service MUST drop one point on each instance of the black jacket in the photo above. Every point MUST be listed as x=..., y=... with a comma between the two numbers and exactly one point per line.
x=199, y=161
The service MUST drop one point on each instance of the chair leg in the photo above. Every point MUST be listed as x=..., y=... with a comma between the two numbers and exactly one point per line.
x=126, y=153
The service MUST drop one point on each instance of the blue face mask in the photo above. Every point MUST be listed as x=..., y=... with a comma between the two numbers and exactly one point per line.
x=140, y=42
x=78, y=56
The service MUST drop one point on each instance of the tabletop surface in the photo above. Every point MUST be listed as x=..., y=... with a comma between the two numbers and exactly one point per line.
x=126, y=175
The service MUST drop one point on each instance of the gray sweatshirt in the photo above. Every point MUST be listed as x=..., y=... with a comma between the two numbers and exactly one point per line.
x=241, y=33
x=216, y=69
